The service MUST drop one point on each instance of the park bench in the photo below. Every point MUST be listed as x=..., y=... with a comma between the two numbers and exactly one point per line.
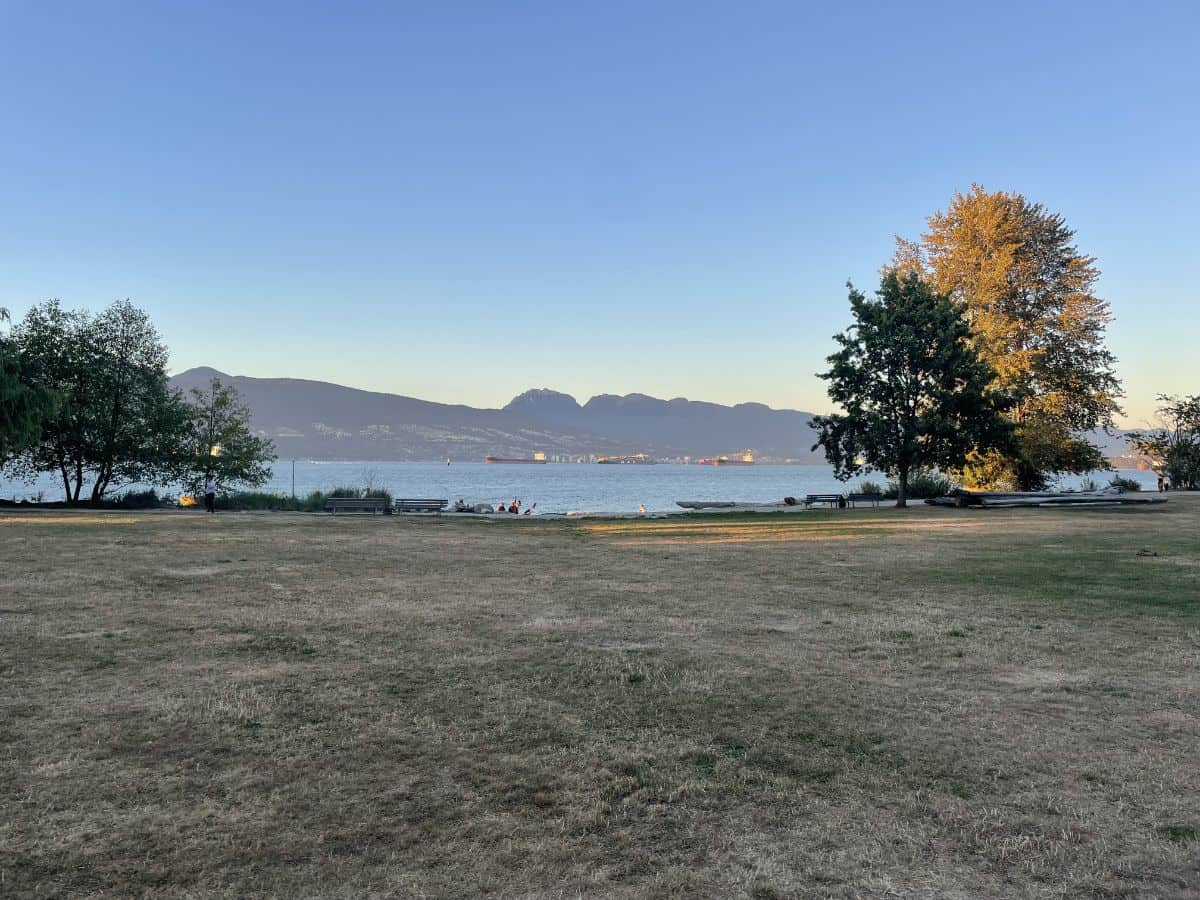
x=829, y=499
x=873, y=499
x=356, y=504
x=411, y=505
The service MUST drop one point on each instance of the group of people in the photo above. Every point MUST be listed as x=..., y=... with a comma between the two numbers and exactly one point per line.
x=461, y=505
x=1163, y=484
x=514, y=508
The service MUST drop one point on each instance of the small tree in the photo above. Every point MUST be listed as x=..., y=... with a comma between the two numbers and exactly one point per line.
x=22, y=406
x=220, y=440
x=116, y=421
x=914, y=392
x=1174, y=446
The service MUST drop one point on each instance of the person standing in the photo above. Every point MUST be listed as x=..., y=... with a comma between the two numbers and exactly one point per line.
x=210, y=492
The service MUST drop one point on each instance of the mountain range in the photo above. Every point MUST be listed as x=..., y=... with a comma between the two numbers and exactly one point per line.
x=318, y=420
x=323, y=421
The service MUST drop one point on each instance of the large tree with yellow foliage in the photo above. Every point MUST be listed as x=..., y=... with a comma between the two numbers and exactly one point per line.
x=1035, y=319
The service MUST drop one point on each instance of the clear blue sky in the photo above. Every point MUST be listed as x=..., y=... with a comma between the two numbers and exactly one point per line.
x=462, y=201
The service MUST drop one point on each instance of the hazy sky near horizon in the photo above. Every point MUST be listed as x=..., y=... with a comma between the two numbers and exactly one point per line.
x=460, y=201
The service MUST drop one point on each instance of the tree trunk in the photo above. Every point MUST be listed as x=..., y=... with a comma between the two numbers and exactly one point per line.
x=103, y=477
x=66, y=477
x=63, y=470
x=902, y=489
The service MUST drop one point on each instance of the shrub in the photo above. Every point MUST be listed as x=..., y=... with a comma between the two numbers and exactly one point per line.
x=1127, y=484
x=866, y=486
x=922, y=484
x=137, y=500
x=256, y=500
x=314, y=502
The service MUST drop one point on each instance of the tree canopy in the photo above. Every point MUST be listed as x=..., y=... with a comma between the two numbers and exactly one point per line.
x=1174, y=446
x=220, y=440
x=115, y=420
x=22, y=405
x=914, y=391
x=1029, y=297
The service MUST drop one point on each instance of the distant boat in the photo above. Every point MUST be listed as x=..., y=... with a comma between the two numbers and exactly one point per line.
x=539, y=459
x=746, y=458
x=636, y=459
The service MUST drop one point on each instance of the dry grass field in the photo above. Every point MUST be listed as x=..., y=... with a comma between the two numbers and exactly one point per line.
x=872, y=703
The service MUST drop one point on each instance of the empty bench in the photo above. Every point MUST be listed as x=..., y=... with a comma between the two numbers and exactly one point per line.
x=355, y=504
x=873, y=499
x=407, y=504
x=828, y=499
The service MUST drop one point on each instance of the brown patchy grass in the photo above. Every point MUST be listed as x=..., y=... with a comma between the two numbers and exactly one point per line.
x=937, y=703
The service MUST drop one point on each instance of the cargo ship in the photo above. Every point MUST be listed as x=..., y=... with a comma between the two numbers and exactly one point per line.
x=743, y=459
x=636, y=459
x=539, y=459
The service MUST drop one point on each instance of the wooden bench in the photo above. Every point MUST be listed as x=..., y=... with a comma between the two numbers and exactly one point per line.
x=406, y=504
x=356, y=504
x=873, y=499
x=830, y=499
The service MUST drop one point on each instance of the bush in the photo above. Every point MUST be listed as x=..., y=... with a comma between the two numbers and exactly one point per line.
x=314, y=502
x=922, y=484
x=866, y=486
x=257, y=500
x=1127, y=484
x=137, y=500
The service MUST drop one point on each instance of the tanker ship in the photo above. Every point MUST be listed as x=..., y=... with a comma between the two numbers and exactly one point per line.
x=636, y=459
x=539, y=459
x=746, y=458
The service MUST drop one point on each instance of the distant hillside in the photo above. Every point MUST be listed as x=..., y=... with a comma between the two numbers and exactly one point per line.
x=703, y=428
x=318, y=420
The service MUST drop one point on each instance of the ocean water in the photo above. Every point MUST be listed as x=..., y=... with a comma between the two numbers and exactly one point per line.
x=556, y=487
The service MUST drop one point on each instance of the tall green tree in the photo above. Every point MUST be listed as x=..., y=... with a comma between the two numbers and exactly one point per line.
x=914, y=392
x=22, y=405
x=1174, y=446
x=116, y=420
x=220, y=440
x=1035, y=318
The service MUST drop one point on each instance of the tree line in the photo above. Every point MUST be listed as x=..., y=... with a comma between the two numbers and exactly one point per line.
x=86, y=397
x=983, y=354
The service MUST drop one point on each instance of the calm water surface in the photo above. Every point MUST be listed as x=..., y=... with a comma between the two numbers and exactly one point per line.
x=556, y=487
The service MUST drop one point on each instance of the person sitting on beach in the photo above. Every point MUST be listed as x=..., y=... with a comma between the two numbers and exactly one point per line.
x=514, y=507
x=460, y=505
x=529, y=512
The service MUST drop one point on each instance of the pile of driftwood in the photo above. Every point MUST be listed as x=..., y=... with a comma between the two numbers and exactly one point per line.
x=996, y=499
